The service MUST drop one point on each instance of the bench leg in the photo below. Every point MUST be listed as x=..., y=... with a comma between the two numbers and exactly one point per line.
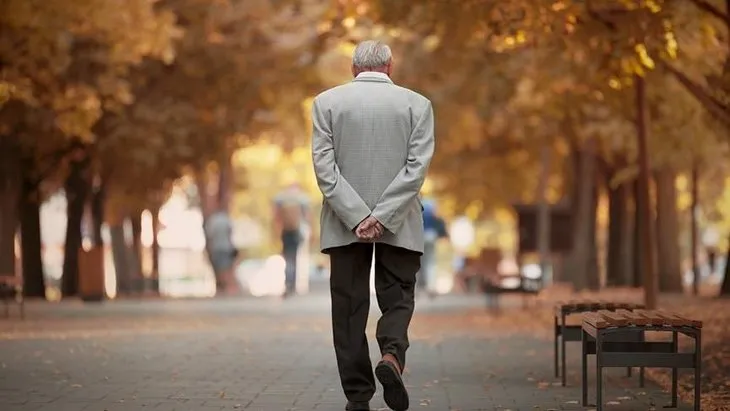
x=584, y=367
x=675, y=348
x=7, y=306
x=642, y=379
x=556, y=331
x=629, y=371
x=642, y=338
x=698, y=370
x=563, y=368
x=599, y=372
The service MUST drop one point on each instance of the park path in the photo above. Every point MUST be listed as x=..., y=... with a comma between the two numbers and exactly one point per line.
x=271, y=355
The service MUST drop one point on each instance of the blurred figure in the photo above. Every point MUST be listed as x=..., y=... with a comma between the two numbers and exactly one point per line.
x=372, y=143
x=290, y=216
x=219, y=244
x=434, y=229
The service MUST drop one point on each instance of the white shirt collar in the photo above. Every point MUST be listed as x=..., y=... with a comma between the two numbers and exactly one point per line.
x=373, y=74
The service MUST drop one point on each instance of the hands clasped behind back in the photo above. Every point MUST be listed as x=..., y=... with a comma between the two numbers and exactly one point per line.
x=369, y=229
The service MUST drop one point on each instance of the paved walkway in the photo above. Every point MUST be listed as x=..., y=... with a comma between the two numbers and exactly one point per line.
x=269, y=355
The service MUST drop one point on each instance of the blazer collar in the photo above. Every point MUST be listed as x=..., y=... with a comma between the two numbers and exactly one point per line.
x=373, y=76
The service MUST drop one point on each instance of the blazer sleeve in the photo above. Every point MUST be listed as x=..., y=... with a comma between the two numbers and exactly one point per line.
x=337, y=192
x=392, y=208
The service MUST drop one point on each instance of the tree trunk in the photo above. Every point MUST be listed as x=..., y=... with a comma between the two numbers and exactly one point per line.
x=207, y=203
x=543, y=213
x=10, y=191
x=98, y=198
x=618, y=264
x=628, y=229
x=583, y=267
x=136, y=252
x=694, y=232
x=120, y=257
x=34, y=284
x=725, y=288
x=77, y=189
x=155, y=275
x=571, y=170
x=667, y=230
x=651, y=283
x=225, y=182
x=593, y=273
x=637, y=279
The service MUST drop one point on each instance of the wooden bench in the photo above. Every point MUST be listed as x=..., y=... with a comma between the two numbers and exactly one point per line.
x=493, y=287
x=564, y=333
x=598, y=328
x=11, y=288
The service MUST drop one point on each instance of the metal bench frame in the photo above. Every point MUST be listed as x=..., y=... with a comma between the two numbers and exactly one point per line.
x=611, y=350
x=527, y=288
x=564, y=333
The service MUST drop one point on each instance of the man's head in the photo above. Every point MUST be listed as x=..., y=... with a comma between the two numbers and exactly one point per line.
x=371, y=55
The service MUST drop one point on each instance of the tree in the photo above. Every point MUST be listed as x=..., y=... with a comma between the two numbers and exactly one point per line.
x=246, y=67
x=62, y=64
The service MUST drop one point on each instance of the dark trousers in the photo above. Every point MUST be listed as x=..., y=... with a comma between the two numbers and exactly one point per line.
x=290, y=240
x=395, y=278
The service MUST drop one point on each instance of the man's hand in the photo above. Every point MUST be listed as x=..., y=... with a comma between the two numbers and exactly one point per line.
x=369, y=229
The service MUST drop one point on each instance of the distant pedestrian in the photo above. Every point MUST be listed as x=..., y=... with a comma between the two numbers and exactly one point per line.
x=291, y=209
x=371, y=146
x=434, y=228
x=221, y=250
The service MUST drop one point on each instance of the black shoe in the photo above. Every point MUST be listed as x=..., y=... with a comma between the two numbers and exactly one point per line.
x=394, y=391
x=357, y=406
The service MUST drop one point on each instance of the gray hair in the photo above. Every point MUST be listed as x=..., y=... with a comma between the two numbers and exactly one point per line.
x=371, y=54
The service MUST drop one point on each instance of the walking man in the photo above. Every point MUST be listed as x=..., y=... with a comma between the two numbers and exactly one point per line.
x=372, y=144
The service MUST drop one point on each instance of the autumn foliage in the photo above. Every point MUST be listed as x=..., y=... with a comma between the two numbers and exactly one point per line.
x=536, y=100
x=574, y=102
x=116, y=100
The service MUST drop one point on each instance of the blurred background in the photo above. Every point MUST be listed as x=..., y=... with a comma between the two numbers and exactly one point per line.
x=162, y=147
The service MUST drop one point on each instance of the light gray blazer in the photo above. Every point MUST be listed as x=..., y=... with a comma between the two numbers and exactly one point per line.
x=372, y=142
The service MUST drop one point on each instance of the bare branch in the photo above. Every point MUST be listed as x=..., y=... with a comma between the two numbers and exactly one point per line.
x=716, y=12
x=715, y=107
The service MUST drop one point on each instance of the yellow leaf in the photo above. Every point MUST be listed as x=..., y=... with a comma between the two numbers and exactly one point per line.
x=644, y=56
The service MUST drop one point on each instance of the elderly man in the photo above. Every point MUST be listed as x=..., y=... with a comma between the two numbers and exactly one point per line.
x=372, y=144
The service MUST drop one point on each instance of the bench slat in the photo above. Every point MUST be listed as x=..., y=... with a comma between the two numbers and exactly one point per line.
x=595, y=320
x=639, y=318
x=572, y=306
x=651, y=317
x=633, y=317
x=615, y=319
x=678, y=320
